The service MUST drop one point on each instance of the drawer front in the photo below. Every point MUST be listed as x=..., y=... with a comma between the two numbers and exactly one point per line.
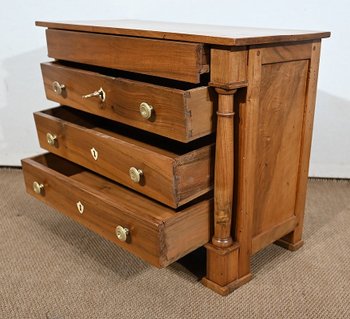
x=151, y=231
x=181, y=61
x=169, y=177
x=183, y=115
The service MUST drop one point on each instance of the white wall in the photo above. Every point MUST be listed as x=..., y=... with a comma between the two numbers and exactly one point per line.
x=23, y=47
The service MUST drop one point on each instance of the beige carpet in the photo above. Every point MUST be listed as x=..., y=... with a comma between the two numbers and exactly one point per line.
x=50, y=267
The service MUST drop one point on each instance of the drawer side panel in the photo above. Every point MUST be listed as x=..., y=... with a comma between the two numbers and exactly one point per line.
x=280, y=119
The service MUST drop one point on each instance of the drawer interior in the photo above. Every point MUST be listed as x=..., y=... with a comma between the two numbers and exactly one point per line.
x=96, y=184
x=175, y=84
x=58, y=164
x=144, y=139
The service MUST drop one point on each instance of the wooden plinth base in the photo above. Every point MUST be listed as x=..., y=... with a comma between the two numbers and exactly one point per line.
x=287, y=245
x=222, y=269
x=227, y=289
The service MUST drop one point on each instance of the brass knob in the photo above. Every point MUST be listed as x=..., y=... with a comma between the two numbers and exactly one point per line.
x=135, y=174
x=38, y=188
x=146, y=110
x=122, y=233
x=58, y=87
x=101, y=94
x=51, y=138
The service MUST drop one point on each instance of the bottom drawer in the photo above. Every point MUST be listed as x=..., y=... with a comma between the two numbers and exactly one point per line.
x=157, y=234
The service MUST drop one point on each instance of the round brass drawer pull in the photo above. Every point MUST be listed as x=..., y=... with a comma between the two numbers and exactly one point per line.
x=122, y=233
x=38, y=188
x=135, y=174
x=58, y=87
x=51, y=138
x=146, y=110
x=101, y=94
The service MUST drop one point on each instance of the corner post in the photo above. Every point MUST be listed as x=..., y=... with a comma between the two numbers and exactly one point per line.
x=228, y=73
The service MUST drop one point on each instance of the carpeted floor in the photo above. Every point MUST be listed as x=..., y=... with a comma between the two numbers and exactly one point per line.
x=50, y=267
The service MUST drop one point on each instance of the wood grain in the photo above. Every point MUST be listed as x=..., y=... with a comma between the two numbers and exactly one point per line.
x=158, y=234
x=212, y=34
x=263, y=137
x=281, y=109
x=223, y=176
x=201, y=105
x=222, y=253
x=295, y=238
x=183, y=115
x=286, y=52
x=272, y=234
x=247, y=157
x=169, y=59
x=171, y=177
x=229, y=66
x=224, y=259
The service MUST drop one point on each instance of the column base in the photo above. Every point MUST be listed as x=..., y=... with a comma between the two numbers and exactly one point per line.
x=227, y=289
x=222, y=269
x=290, y=246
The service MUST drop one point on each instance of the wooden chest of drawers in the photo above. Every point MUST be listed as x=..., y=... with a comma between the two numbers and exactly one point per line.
x=169, y=137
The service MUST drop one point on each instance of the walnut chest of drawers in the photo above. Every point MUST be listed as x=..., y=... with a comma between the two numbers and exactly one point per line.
x=168, y=137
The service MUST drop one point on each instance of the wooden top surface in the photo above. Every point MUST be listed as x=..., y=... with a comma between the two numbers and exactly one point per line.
x=211, y=34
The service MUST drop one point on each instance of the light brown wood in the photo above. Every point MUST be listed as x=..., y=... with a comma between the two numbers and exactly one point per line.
x=173, y=174
x=286, y=52
x=288, y=245
x=169, y=59
x=158, y=234
x=223, y=176
x=201, y=104
x=262, y=85
x=295, y=238
x=226, y=290
x=281, y=109
x=272, y=234
x=193, y=174
x=225, y=260
x=212, y=34
x=182, y=112
x=229, y=66
x=248, y=124
x=222, y=254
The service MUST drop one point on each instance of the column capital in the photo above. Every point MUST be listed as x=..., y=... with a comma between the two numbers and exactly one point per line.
x=222, y=91
x=228, y=86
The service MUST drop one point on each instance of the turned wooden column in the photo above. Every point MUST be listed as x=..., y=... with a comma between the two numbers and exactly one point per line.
x=228, y=73
x=224, y=175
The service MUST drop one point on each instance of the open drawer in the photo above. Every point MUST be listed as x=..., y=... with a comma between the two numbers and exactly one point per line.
x=179, y=111
x=168, y=171
x=176, y=60
x=155, y=233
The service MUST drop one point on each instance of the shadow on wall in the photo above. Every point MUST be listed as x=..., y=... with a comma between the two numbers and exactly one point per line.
x=24, y=94
x=330, y=152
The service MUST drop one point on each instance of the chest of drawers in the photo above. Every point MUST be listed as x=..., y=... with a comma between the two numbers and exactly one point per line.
x=170, y=137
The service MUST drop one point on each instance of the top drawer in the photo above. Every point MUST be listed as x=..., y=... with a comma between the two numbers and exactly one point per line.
x=169, y=59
